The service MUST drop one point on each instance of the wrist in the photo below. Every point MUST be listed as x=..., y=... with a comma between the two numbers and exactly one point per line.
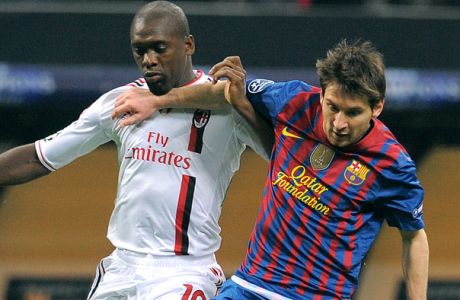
x=169, y=100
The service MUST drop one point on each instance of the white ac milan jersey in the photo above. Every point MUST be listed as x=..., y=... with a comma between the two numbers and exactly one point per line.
x=175, y=168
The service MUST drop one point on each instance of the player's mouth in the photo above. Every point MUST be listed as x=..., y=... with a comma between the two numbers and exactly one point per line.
x=153, y=76
x=338, y=137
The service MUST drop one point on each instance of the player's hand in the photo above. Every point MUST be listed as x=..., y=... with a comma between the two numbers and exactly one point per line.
x=134, y=106
x=232, y=69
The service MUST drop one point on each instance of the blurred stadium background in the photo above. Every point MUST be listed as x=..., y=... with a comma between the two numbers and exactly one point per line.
x=56, y=57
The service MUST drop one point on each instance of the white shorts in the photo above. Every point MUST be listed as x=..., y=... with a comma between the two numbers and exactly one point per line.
x=127, y=275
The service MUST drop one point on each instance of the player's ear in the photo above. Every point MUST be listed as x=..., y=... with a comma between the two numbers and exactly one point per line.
x=189, y=42
x=377, y=110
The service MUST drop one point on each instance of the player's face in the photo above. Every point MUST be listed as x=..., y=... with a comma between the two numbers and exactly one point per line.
x=162, y=56
x=346, y=118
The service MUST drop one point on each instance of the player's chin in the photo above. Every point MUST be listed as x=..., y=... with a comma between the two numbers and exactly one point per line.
x=158, y=88
x=339, y=141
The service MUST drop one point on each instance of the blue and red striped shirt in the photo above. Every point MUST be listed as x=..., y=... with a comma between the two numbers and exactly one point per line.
x=323, y=206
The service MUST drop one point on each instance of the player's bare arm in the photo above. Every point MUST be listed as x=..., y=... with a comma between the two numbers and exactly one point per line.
x=19, y=165
x=136, y=104
x=235, y=93
x=139, y=104
x=415, y=263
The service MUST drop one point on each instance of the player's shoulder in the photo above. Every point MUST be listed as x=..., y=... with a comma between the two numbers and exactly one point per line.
x=138, y=83
x=112, y=94
x=104, y=105
x=301, y=86
x=200, y=77
x=385, y=143
x=286, y=88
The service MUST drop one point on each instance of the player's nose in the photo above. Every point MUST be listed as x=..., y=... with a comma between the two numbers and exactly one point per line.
x=340, y=121
x=150, y=58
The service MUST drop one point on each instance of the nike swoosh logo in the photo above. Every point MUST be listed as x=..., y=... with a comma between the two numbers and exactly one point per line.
x=288, y=134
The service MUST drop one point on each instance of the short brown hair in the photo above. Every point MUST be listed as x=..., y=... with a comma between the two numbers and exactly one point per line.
x=357, y=68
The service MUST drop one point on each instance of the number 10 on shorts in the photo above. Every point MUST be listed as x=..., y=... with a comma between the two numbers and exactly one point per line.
x=193, y=295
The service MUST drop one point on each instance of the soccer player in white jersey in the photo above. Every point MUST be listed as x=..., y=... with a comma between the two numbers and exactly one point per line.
x=175, y=168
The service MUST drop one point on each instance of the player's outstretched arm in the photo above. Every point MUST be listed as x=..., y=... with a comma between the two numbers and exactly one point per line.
x=415, y=263
x=19, y=165
x=232, y=69
x=138, y=104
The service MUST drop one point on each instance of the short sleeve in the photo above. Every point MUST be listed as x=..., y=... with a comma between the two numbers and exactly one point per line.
x=269, y=97
x=249, y=137
x=79, y=138
x=401, y=196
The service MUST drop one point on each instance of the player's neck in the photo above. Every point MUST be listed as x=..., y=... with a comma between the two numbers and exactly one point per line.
x=189, y=75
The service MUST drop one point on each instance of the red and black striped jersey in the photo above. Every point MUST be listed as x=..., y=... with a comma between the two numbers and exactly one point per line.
x=323, y=206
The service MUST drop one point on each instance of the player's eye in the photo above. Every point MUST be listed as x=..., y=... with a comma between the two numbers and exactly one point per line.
x=160, y=48
x=354, y=113
x=333, y=108
x=139, y=51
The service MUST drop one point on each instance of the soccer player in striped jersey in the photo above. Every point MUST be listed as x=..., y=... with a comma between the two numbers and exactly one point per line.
x=175, y=169
x=336, y=174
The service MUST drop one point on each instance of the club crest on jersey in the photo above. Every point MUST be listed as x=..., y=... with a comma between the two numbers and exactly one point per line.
x=355, y=173
x=258, y=85
x=201, y=118
x=321, y=157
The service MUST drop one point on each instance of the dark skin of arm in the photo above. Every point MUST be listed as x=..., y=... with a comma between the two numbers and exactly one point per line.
x=20, y=165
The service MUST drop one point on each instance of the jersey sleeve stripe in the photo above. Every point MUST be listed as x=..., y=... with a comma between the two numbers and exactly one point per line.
x=41, y=156
x=137, y=83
